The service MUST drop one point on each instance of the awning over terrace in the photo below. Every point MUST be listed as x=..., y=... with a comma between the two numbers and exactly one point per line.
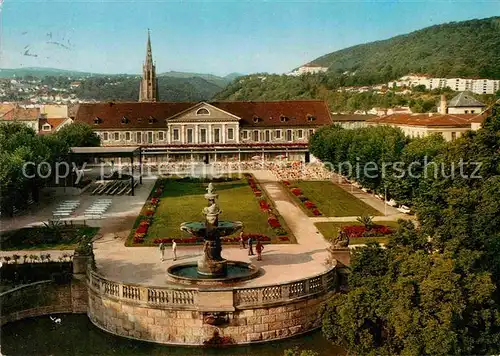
x=108, y=152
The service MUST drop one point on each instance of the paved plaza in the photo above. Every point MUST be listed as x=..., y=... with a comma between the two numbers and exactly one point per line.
x=142, y=265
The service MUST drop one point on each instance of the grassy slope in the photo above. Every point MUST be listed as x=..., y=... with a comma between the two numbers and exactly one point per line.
x=332, y=200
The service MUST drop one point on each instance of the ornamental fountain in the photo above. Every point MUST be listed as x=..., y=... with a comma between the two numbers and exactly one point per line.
x=212, y=268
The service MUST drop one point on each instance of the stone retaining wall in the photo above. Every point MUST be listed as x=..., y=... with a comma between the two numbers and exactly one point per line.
x=43, y=298
x=189, y=327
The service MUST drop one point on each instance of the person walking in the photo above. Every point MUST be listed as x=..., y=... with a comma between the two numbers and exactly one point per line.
x=242, y=240
x=174, y=249
x=250, y=246
x=259, y=247
x=162, y=251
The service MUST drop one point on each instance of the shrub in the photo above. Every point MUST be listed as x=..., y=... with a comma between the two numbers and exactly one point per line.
x=366, y=220
x=280, y=231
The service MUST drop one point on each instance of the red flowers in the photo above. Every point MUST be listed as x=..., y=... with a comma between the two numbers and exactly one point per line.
x=285, y=182
x=361, y=231
x=309, y=204
x=264, y=206
x=316, y=212
x=296, y=191
x=284, y=238
x=190, y=240
x=273, y=222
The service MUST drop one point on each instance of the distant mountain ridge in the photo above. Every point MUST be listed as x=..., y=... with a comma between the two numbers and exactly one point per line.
x=456, y=49
x=172, y=86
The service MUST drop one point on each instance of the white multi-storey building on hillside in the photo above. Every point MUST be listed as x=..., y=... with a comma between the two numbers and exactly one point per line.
x=478, y=86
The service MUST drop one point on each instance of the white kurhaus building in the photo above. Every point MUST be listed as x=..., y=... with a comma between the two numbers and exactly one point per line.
x=205, y=131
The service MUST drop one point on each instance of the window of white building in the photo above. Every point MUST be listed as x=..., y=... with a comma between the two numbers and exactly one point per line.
x=230, y=134
x=138, y=136
x=216, y=135
x=105, y=136
x=203, y=135
x=268, y=136
x=189, y=135
x=117, y=136
x=256, y=136
x=244, y=134
x=277, y=134
x=289, y=136
x=150, y=137
x=175, y=133
x=203, y=111
x=127, y=136
x=300, y=134
x=161, y=136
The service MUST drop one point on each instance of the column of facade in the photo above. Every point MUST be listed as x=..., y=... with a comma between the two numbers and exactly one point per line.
x=183, y=134
x=196, y=133
x=209, y=133
x=223, y=133
x=169, y=132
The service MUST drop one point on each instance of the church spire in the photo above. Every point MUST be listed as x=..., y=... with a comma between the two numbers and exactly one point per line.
x=149, y=53
x=148, y=90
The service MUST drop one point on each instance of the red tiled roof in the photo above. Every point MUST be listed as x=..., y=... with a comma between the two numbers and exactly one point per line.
x=19, y=113
x=269, y=113
x=352, y=117
x=297, y=113
x=453, y=120
x=54, y=124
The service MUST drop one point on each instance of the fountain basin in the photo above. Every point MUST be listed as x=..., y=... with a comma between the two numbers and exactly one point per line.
x=187, y=273
x=223, y=228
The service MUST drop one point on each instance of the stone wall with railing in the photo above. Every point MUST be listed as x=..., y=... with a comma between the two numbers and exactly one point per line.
x=43, y=298
x=192, y=316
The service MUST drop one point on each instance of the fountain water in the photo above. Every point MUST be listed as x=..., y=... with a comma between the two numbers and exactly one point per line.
x=212, y=268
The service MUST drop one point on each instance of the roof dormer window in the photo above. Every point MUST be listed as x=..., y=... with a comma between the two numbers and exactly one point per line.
x=283, y=118
x=97, y=121
x=256, y=119
x=124, y=120
x=310, y=117
x=203, y=111
x=46, y=127
x=139, y=119
x=152, y=120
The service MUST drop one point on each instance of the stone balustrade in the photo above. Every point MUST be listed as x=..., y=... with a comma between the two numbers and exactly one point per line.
x=187, y=298
x=191, y=316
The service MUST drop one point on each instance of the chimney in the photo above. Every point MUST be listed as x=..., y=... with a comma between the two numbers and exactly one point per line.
x=442, y=106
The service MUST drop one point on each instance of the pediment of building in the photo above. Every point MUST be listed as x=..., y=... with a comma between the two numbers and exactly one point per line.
x=203, y=112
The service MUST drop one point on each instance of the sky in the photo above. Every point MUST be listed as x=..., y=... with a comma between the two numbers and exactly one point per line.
x=217, y=37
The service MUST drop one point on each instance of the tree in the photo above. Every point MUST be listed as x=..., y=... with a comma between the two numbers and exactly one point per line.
x=434, y=290
x=78, y=134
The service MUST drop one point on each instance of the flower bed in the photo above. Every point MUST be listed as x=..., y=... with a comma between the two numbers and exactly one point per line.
x=354, y=231
x=148, y=212
x=308, y=204
x=272, y=219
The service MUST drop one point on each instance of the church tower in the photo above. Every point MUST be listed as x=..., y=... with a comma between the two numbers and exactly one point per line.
x=148, y=91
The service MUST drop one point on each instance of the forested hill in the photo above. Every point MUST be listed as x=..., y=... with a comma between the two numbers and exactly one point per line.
x=456, y=49
x=127, y=89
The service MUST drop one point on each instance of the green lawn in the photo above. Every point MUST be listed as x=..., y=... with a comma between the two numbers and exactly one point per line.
x=43, y=238
x=332, y=200
x=330, y=230
x=183, y=201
